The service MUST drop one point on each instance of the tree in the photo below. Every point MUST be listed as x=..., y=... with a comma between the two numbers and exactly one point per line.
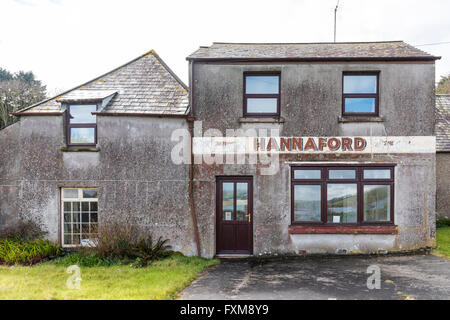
x=17, y=91
x=443, y=86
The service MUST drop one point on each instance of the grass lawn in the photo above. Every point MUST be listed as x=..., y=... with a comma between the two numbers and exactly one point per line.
x=443, y=242
x=161, y=280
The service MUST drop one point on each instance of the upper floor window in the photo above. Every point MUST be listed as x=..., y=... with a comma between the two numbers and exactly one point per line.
x=261, y=95
x=360, y=94
x=81, y=124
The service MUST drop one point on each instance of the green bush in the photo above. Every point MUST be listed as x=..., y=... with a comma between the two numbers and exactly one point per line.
x=145, y=250
x=444, y=222
x=28, y=252
x=117, y=240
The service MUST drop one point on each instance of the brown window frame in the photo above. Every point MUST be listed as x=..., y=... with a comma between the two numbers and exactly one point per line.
x=252, y=95
x=362, y=95
x=359, y=181
x=80, y=125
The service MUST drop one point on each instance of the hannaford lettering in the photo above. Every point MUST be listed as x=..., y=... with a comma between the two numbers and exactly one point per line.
x=310, y=144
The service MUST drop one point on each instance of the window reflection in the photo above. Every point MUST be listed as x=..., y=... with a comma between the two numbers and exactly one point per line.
x=341, y=203
x=377, y=203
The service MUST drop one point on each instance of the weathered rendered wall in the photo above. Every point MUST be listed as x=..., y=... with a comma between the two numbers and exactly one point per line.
x=133, y=172
x=9, y=173
x=310, y=106
x=311, y=98
x=443, y=184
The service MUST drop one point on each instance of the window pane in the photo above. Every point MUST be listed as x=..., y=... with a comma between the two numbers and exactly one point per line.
x=67, y=217
x=85, y=217
x=68, y=239
x=85, y=206
x=261, y=84
x=82, y=114
x=241, y=201
x=262, y=105
x=76, y=206
x=360, y=105
x=342, y=174
x=82, y=135
x=377, y=203
x=89, y=193
x=67, y=207
x=307, y=203
x=228, y=200
x=70, y=193
x=307, y=174
x=93, y=206
x=341, y=202
x=377, y=174
x=360, y=84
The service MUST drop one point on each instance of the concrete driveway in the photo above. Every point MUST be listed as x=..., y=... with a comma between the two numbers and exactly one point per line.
x=343, y=277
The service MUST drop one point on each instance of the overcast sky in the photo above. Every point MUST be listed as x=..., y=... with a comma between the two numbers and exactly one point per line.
x=67, y=42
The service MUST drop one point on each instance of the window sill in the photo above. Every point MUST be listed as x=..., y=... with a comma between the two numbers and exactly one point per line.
x=308, y=229
x=79, y=149
x=261, y=120
x=349, y=119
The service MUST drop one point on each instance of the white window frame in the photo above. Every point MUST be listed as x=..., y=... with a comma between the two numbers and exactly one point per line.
x=78, y=199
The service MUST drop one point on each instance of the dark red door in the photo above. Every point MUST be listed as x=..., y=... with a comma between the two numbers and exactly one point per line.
x=234, y=215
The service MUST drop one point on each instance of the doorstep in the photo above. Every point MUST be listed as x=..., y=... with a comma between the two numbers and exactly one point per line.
x=233, y=255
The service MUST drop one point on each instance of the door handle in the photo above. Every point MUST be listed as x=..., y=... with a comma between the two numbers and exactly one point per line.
x=249, y=216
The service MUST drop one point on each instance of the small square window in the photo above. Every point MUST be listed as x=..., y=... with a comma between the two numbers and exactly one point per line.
x=261, y=95
x=360, y=94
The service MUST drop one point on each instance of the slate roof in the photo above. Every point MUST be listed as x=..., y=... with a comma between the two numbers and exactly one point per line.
x=85, y=95
x=145, y=85
x=442, y=127
x=389, y=50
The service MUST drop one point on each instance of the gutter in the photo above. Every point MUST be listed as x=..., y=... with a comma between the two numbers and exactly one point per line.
x=18, y=114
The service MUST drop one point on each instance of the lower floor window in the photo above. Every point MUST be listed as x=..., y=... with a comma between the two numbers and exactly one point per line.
x=79, y=216
x=342, y=195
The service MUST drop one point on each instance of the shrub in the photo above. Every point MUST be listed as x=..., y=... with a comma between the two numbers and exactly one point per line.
x=27, y=252
x=444, y=222
x=145, y=250
x=22, y=229
x=126, y=242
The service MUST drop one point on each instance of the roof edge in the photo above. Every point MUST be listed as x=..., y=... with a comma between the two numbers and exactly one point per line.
x=152, y=52
x=318, y=59
x=169, y=70
x=141, y=114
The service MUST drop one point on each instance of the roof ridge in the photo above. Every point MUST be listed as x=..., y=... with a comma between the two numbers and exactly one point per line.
x=285, y=43
x=152, y=52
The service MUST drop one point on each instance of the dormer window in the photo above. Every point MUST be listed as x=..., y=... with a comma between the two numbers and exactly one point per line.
x=81, y=125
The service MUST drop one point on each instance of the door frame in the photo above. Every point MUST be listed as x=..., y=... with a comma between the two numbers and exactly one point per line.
x=219, y=180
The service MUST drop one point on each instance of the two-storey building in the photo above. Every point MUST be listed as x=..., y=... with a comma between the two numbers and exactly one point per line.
x=346, y=162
